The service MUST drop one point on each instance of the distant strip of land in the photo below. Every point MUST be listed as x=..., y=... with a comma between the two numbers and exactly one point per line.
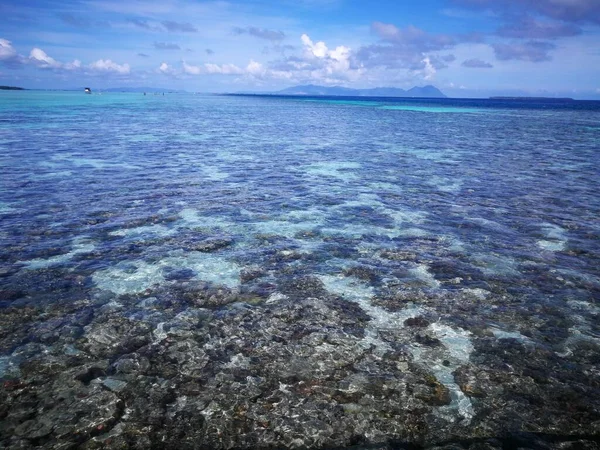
x=562, y=99
x=11, y=88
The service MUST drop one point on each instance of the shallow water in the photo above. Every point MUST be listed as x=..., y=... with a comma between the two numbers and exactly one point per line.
x=479, y=216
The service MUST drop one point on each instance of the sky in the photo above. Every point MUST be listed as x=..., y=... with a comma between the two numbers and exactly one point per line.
x=466, y=48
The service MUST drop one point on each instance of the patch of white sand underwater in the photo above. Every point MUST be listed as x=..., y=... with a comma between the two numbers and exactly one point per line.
x=341, y=170
x=144, y=231
x=556, y=239
x=133, y=277
x=456, y=341
x=80, y=245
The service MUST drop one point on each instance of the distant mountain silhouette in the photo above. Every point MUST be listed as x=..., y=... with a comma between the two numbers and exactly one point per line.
x=313, y=90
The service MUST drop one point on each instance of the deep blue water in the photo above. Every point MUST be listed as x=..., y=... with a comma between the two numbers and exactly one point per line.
x=107, y=196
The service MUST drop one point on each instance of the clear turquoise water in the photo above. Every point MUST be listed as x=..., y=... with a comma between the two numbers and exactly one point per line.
x=494, y=195
x=104, y=196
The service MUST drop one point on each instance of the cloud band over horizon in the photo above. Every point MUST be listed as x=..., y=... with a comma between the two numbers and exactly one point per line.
x=523, y=45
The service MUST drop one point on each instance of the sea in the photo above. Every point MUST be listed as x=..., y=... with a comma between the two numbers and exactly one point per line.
x=247, y=271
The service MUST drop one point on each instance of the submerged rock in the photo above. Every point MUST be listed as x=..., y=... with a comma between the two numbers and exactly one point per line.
x=199, y=366
x=67, y=412
x=211, y=245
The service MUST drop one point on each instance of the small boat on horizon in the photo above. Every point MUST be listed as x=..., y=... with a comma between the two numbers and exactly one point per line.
x=87, y=90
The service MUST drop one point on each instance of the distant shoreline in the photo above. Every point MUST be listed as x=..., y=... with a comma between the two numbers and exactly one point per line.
x=562, y=99
x=426, y=99
x=11, y=88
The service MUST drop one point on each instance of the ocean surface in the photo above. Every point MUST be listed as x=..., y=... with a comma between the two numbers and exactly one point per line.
x=194, y=271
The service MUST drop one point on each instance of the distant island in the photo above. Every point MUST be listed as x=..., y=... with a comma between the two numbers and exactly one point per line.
x=562, y=99
x=11, y=88
x=339, y=91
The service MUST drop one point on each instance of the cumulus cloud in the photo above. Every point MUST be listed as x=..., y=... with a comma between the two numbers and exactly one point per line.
x=318, y=50
x=212, y=69
x=223, y=69
x=533, y=51
x=165, y=69
x=529, y=28
x=166, y=46
x=7, y=51
x=261, y=33
x=567, y=10
x=106, y=65
x=428, y=71
x=316, y=62
x=9, y=56
x=255, y=69
x=75, y=65
x=41, y=59
x=179, y=26
x=476, y=63
x=191, y=70
x=332, y=61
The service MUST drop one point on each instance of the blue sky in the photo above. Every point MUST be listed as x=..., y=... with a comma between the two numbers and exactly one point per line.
x=467, y=48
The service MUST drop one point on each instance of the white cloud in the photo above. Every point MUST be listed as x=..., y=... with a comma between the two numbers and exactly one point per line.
x=319, y=49
x=166, y=69
x=6, y=50
x=106, y=65
x=338, y=59
x=281, y=75
x=317, y=63
x=255, y=68
x=191, y=70
x=212, y=69
x=323, y=62
x=39, y=57
x=428, y=70
x=75, y=65
x=224, y=69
